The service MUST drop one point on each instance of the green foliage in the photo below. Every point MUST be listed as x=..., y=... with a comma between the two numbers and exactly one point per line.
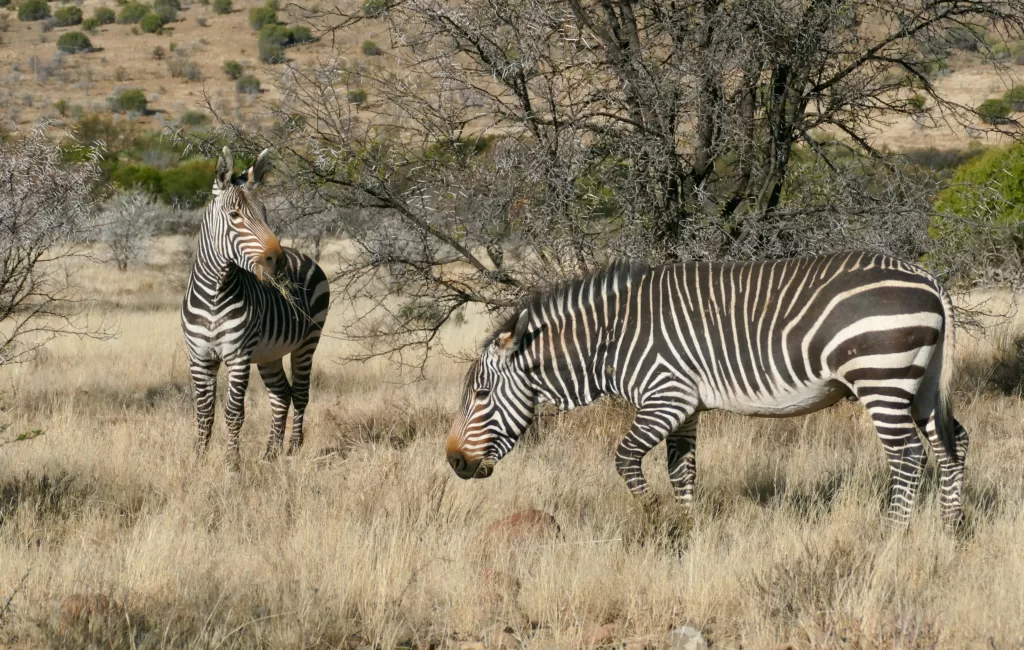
x=260, y=16
x=374, y=8
x=248, y=85
x=1015, y=96
x=129, y=101
x=90, y=25
x=193, y=118
x=272, y=4
x=917, y=103
x=30, y=10
x=61, y=106
x=356, y=96
x=159, y=53
x=301, y=34
x=994, y=111
x=74, y=42
x=1001, y=169
x=140, y=176
x=188, y=184
x=5, y=3
x=132, y=13
x=233, y=70
x=221, y=6
x=151, y=23
x=370, y=48
x=273, y=39
x=68, y=16
x=167, y=10
x=104, y=15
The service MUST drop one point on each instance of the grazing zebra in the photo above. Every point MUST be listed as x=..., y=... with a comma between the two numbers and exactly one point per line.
x=235, y=310
x=772, y=338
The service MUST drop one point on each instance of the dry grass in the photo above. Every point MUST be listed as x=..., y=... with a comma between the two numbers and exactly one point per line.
x=367, y=538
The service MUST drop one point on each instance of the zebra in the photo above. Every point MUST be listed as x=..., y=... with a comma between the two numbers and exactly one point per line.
x=250, y=301
x=773, y=338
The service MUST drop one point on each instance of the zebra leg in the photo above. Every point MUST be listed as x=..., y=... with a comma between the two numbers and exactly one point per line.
x=302, y=368
x=951, y=470
x=280, y=399
x=651, y=425
x=682, y=459
x=204, y=387
x=234, y=410
x=895, y=425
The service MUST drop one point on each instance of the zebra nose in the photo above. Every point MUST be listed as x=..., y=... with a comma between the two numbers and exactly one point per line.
x=461, y=466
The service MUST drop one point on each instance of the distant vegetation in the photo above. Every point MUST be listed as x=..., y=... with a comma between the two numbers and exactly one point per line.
x=74, y=43
x=30, y=10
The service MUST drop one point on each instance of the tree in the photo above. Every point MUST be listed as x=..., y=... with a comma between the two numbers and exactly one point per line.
x=46, y=219
x=127, y=223
x=513, y=144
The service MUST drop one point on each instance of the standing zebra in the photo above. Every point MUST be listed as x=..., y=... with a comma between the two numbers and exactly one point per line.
x=235, y=310
x=773, y=338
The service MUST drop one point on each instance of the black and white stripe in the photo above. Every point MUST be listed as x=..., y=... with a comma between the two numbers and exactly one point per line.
x=772, y=338
x=235, y=311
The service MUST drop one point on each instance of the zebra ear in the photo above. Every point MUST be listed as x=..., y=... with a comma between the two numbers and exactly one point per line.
x=225, y=167
x=258, y=169
x=508, y=341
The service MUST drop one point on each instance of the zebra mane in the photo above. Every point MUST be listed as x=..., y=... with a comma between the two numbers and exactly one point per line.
x=620, y=269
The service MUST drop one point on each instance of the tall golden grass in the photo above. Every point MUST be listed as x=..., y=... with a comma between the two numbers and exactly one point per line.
x=112, y=536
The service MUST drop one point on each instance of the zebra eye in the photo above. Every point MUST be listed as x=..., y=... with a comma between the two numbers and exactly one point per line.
x=483, y=393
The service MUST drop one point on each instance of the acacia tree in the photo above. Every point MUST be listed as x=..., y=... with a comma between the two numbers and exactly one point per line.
x=500, y=146
x=46, y=220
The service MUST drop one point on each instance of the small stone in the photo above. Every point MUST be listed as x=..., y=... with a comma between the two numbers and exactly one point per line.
x=527, y=523
x=599, y=634
x=686, y=638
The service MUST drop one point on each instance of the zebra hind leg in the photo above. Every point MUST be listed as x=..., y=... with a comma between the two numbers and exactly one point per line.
x=302, y=368
x=234, y=410
x=204, y=387
x=280, y=392
x=896, y=429
x=951, y=470
x=681, y=445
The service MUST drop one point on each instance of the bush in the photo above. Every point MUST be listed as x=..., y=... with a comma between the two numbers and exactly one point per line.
x=260, y=16
x=104, y=15
x=74, y=42
x=221, y=6
x=1015, y=97
x=917, y=103
x=129, y=101
x=68, y=16
x=248, y=85
x=994, y=111
x=189, y=184
x=138, y=176
x=374, y=8
x=132, y=13
x=233, y=69
x=159, y=53
x=90, y=25
x=167, y=10
x=182, y=67
x=193, y=118
x=301, y=35
x=274, y=38
x=272, y=4
x=151, y=23
x=357, y=96
x=370, y=48
x=30, y=10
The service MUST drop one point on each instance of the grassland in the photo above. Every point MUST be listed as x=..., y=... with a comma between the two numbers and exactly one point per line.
x=111, y=536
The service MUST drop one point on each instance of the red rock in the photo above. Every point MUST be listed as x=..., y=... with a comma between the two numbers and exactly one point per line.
x=525, y=524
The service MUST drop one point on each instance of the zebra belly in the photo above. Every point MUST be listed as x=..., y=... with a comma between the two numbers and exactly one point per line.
x=788, y=403
x=266, y=351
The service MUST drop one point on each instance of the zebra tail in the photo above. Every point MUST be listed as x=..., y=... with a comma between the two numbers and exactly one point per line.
x=944, y=423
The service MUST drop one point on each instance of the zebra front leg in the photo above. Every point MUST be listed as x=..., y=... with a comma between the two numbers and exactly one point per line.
x=280, y=399
x=302, y=368
x=682, y=460
x=650, y=426
x=234, y=410
x=204, y=388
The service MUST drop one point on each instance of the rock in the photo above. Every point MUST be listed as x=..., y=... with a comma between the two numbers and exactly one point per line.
x=599, y=634
x=524, y=524
x=471, y=645
x=686, y=638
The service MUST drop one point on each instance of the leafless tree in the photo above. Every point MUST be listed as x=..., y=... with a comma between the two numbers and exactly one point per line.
x=46, y=219
x=127, y=222
x=505, y=145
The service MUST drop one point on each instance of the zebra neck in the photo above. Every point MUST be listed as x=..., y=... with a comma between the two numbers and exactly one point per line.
x=564, y=356
x=213, y=271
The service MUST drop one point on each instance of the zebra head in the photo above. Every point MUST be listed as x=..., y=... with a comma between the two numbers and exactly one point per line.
x=242, y=217
x=497, y=403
